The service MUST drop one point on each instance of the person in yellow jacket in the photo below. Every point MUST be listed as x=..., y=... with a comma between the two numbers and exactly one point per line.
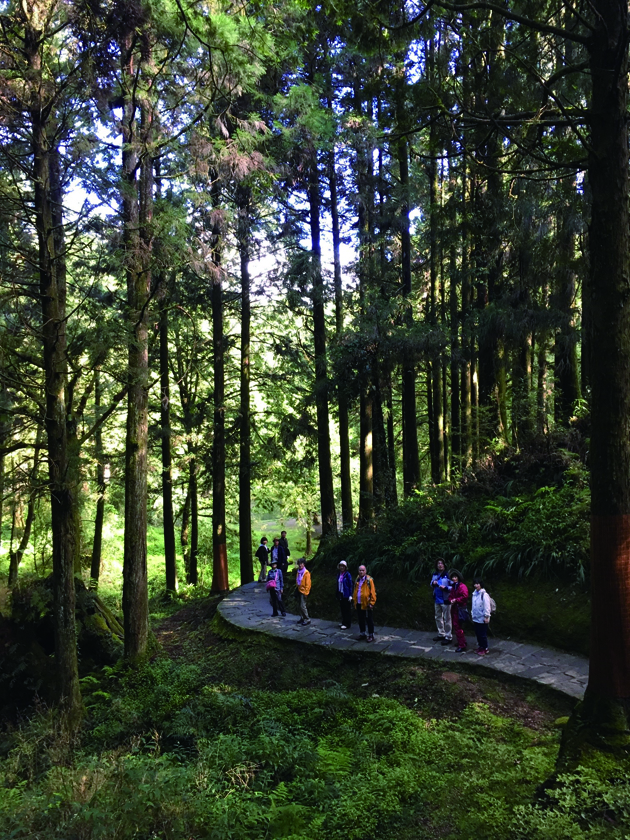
x=364, y=598
x=303, y=581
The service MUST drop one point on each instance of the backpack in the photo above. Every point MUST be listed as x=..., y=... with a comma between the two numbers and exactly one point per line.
x=493, y=603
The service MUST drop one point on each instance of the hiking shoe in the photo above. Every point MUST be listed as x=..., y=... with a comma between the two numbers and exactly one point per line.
x=460, y=649
x=482, y=652
x=438, y=638
x=370, y=638
x=446, y=642
x=343, y=627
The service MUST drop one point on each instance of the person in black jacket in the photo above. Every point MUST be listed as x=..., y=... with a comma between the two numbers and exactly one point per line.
x=262, y=553
x=344, y=594
x=278, y=551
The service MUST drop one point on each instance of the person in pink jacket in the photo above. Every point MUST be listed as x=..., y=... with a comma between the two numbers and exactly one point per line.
x=458, y=598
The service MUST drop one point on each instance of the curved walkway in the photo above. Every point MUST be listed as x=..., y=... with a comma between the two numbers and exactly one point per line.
x=248, y=608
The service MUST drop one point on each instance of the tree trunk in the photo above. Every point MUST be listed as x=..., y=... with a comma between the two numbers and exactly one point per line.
x=137, y=217
x=220, y=580
x=97, y=542
x=245, y=466
x=329, y=516
x=366, y=472
x=344, y=423
x=52, y=288
x=184, y=533
x=170, y=557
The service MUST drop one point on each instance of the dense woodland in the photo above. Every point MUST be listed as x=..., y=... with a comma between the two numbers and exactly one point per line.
x=308, y=258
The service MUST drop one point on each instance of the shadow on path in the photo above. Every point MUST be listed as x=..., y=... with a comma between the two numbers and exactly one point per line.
x=248, y=608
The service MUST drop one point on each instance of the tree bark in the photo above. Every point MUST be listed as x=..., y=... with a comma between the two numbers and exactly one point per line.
x=15, y=557
x=245, y=459
x=170, y=557
x=329, y=516
x=344, y=423
x=52, y=289
x=220, y=580
x=137, y=210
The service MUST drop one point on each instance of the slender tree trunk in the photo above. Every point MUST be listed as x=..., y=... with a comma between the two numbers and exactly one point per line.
x=137, y=217
x=184, y=534
x=344, y=423
x=329, y=516
x=193, y=491
x=438, y=467
x=170, y=557
x=245, y=468
x=411, y=457
x=97, y=542
x=220, y=580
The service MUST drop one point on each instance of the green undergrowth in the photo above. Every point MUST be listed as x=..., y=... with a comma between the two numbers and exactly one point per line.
x=521, y=524
x=236, y=738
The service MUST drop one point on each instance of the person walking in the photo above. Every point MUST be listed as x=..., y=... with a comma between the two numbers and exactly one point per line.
x=441, y=586
x=275, y=588
x=458, y=597
x=262, y=553
x=344, y=594
x=481, y=609
x=364, y=597
x=303, y=581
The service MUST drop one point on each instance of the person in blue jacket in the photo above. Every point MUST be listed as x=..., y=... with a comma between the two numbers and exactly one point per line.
x=441, y=586
x=344, y=594
x=276, y=588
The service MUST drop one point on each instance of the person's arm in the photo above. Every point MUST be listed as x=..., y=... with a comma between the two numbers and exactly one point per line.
x=372, y=594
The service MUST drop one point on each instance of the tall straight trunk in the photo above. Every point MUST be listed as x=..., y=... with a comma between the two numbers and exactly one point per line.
x=170, y=557
x=97, y=542
x=329, y=516
x=603, y=717
x=193, y=492
x=467, y=334
x=245, y=466
x=411, y=457
x=15, y=557
x=220, y=580
x=438, y=466
x=344, y=423
x=391, y=440
x=366, y=453
x=184, y=534
x=384, y=494
x=52, y=289
x=566, y=368
x=137, y=210
x=2, y=474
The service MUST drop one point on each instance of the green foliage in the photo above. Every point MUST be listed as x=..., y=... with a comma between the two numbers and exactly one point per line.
x=194, y=760
x=540, y=531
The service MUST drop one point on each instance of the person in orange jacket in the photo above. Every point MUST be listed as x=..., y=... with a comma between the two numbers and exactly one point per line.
x=364, y=598
x=303, y=581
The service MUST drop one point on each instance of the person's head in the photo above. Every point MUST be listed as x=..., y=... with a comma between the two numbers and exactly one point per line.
x=283, y=534
x=478, y=584
x=301, y=562
x=264, y=541
x=276, y=540
x=362, y=570
x=440, y=565
x=455, y=576
x=343, y=566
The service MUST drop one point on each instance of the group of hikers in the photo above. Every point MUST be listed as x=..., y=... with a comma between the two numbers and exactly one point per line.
x=450, y=595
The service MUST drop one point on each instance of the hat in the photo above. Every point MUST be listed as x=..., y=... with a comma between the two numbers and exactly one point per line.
x=342, y=563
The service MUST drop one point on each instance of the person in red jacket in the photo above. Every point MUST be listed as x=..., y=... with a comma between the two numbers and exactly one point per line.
x=458, y=597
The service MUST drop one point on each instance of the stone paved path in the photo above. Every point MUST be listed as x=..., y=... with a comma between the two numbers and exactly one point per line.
x=248, y=608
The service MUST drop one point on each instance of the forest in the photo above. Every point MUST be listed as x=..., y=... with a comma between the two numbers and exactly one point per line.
x=356, y=270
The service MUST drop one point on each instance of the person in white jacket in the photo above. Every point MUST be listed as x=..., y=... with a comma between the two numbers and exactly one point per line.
x=480, y=616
